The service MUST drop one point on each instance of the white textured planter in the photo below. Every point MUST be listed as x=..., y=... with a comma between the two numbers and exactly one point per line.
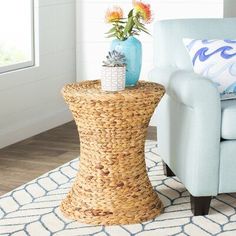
x=113, y=78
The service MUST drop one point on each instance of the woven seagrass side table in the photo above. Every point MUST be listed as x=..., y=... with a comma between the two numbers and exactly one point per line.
x=112, y=185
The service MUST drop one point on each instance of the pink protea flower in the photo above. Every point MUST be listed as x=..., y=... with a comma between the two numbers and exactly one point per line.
x=114, y=14
x=143, y=10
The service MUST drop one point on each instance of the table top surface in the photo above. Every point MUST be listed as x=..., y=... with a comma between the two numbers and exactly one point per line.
x=92, y=90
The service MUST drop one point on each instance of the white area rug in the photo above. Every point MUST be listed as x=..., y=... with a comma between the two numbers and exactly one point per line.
x=32, y=209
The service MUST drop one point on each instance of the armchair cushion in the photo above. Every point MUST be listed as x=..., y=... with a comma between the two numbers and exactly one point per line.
x=228, y=127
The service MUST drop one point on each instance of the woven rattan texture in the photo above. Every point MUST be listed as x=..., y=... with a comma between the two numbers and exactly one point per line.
x=112, y=186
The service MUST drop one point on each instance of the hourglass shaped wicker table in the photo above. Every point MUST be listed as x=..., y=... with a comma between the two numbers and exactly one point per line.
x=112, y=185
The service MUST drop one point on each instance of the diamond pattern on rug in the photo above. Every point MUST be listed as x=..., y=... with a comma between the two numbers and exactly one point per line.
x=32, y=209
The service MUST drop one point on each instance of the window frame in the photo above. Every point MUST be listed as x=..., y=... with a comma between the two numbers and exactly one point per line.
x=26, y=64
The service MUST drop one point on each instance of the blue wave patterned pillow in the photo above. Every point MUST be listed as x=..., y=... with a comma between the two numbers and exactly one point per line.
x=216, y=60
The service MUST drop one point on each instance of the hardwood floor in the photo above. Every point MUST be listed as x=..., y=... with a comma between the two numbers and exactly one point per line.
x=26, y=160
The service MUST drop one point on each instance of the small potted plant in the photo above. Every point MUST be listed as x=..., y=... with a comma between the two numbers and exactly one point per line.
x=113, y=72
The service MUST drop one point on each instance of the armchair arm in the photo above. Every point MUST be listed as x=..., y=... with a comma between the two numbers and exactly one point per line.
x=194, y=91
x=189, y=131
x=161, y=75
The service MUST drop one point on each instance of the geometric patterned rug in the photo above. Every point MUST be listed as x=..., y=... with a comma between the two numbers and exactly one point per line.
x=32, y=209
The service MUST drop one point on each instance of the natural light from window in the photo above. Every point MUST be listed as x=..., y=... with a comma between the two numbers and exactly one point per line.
x=16, y=34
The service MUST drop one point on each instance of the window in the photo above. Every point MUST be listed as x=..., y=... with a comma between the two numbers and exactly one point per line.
x=16, y=34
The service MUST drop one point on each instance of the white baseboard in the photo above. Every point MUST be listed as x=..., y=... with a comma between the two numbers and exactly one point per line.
x=14, y=134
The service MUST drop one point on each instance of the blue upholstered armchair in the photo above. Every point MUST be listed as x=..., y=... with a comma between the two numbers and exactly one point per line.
x=196, y=131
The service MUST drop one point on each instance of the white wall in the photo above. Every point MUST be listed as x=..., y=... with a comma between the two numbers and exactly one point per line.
x=92, y=45
x=30, y=99
x=229, y=8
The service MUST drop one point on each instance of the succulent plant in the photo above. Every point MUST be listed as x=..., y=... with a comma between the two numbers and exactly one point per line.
x=115, y=59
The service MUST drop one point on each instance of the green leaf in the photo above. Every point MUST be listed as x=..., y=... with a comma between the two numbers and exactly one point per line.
x=145, y=31
x=129, y=26
x=111, y=30
x=111, y=35
x=137, y=23
x=130, y=13
x=122, y=22
x=141, y=26
x=115, y=21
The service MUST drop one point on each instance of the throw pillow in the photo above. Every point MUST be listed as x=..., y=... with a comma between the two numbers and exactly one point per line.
x=216, y=60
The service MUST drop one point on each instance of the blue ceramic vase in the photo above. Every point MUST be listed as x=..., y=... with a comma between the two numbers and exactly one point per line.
x=132, y=49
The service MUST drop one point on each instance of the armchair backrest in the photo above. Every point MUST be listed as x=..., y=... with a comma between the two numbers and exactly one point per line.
x=168, y=45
